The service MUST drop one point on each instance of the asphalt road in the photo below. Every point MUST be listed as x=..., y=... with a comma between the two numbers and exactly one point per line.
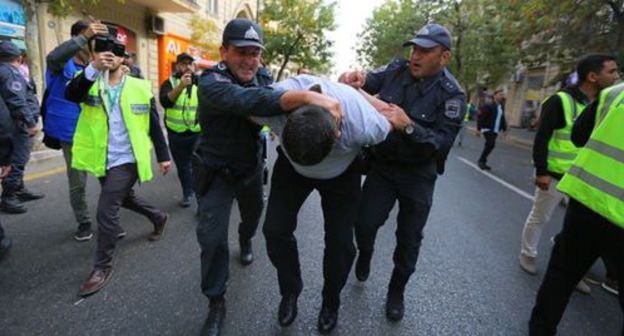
x=467, y=280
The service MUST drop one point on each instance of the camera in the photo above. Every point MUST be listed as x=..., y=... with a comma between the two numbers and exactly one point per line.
x=109, y=43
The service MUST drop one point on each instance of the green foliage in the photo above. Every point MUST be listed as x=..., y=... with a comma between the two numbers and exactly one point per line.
x=295, y=32
x=62, y=8
x=206, y=35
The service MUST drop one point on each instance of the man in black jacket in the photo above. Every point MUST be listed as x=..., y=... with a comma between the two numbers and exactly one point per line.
x=230, y=151
x=491, y=122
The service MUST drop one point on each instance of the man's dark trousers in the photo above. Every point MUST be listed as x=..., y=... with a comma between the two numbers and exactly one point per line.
x=339, y=201
x=413, y=188
x=585, y=236
x=490, y=143
x=182, y=146
x=214, y=218
x=1, y=232
x=117, y=192
x=22, y=146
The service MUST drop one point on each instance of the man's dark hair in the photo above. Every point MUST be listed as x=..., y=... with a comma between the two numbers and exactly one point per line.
x=78, y=27
x=309, y=134
x=591, y=63
x=497, y=91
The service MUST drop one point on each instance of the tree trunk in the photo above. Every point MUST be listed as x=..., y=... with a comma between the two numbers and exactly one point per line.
x=281, y=70
x=288, y=54
x=32, y=43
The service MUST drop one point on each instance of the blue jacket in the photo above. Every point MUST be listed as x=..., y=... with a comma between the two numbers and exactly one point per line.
x=61, y=114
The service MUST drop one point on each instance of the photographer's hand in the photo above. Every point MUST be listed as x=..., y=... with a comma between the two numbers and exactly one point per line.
x=186, y=80
x=103, y=61
x=95, y=28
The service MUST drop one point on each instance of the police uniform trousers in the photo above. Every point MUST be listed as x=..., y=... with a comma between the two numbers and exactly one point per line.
x=117, y=192
x=585, y=236
x=182, y=146
x=339, y=200
x=413, y=188
x=214, y=218
x=22, y=146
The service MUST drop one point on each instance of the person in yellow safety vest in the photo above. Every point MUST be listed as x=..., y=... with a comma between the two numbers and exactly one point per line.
x=554, y=152
x=117, y=126
x=594, y=222
x=178, y=95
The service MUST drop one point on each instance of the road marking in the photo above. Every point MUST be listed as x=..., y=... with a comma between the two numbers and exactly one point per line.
x=35, y=176
x=78, y=302
x=497, y=179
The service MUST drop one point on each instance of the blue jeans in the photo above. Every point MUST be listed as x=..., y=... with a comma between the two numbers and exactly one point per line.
x=182, y=146
x=22, y=145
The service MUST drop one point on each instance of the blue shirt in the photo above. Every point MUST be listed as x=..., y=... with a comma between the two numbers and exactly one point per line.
x=119, y=145
x=361, y=125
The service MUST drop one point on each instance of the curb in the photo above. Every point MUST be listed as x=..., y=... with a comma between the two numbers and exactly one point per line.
x=510, y=138
x=45, y=154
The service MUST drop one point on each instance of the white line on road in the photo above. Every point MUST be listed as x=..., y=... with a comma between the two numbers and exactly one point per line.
x=78, y=302
x=497, y=179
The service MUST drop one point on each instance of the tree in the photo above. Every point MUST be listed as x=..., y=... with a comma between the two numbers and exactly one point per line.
x=205, y=34
x=295, y=32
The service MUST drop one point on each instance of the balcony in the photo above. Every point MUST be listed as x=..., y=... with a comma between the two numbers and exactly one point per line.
x=170, y=6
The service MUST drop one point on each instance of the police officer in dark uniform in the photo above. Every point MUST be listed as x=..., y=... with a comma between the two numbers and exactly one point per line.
x=405, y=165
x=228, y=162
x=20, y=97
x=6, y=132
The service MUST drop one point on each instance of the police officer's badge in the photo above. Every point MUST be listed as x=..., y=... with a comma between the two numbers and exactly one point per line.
x=252, y=34
x=423, y=31
x=16, y=86
x=452, y=109
x=221, y=66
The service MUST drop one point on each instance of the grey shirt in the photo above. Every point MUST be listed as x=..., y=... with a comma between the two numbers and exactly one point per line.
x=361, y=125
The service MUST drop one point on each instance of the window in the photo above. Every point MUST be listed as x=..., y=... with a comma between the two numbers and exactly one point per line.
x=213, y=7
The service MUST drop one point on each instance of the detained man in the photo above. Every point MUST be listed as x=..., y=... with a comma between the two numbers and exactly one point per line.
x=318, y=153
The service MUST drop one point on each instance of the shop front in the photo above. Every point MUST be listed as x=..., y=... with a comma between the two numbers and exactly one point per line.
x=12, y=22
x=170, y=46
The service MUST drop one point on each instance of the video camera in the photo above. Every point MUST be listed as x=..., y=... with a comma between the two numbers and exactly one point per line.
x=109, y=43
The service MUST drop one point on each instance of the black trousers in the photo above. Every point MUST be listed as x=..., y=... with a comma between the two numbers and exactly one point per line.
x=22, y=147
x=585, y=236
x=214, y=219
x=490, y=143
x=1, y=232
x=182, y=146
x=339, y=200
x=385, y=185
x=117, y=192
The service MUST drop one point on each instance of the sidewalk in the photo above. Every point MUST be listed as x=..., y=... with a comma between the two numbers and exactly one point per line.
x=518, y=136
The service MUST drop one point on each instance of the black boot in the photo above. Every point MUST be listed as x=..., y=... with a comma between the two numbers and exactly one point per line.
x=214, y=320
x=287, y=310
x=362, y=266
x=246, y=253
x=11, y=204
x=327, y=319
x=395, y=307
x=26, y=195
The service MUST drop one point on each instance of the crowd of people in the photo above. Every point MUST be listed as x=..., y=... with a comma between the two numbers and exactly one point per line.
x=395, y=124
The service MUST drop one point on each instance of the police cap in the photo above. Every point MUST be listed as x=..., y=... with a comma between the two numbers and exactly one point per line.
x=431, y=35
x=8, y=48
x=243, y=33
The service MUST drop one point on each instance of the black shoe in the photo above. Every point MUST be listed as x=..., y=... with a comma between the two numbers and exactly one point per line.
x=246, y=253
x=83, y=233
x=26, y=195
x=484, y=166
x=5, y=246
x=394, y=306
x=214, y=321
x=327, y=320
x=362, y=266
x=287, y=310
x=11, y=204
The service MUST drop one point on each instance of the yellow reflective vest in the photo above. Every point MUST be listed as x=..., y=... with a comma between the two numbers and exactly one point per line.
x=596, y=177
x=182, y=116
x=90, y=142
x=561, y=150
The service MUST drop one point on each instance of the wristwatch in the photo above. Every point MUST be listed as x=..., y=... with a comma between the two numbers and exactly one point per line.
x=409, y=129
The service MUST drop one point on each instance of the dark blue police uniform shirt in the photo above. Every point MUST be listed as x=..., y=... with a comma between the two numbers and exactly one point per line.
x=437, y=106
x=228, y=138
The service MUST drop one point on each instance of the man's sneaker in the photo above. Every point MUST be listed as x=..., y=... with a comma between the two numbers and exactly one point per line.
x=185, y=202
x=83, y=233
x=528, y=264
x=484, y=166
x=611, y=286
x=583, y=287
x=159, y=229
x=26, y=195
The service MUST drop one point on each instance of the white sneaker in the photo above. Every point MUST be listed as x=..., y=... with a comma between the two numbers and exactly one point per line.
x=528, y=264
x=583, y=287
